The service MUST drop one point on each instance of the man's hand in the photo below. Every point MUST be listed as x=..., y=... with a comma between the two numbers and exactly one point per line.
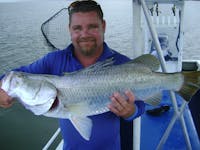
x=5, y=100
x=122, y=106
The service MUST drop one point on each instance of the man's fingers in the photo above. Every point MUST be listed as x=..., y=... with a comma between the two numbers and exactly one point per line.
x=5, y=100
x=120, y=99
x=7, y=103
x=113, y=109
x=116, y=105
x=122, y=105
x=130, y=95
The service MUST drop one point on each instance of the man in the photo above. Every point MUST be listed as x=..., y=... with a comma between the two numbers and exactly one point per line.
x=87, y=28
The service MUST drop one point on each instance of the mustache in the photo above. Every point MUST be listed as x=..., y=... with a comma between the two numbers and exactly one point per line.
x=86, y=39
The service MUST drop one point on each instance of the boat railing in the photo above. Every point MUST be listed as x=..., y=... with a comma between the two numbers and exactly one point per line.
x=52, y=139
x=177, y=111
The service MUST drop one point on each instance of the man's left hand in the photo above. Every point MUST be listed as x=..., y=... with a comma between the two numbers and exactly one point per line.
x=122, y=105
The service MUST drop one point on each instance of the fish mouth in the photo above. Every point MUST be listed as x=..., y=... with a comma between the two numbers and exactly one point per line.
x=55, y=104
x=6, y=81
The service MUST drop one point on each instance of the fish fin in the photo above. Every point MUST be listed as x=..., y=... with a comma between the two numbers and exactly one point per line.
x=148, y=60
x=154, y=100
x=97, y=66
x=191, y=84
x=101, y=64
x=83, y=125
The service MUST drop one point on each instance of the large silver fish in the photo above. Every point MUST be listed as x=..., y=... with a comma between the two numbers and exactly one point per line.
x=87, y=92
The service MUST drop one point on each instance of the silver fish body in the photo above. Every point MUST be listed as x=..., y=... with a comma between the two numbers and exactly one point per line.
x=94, y=89
x=87, y=92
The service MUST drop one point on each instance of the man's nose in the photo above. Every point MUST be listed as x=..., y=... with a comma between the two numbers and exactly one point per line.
x=85, y=32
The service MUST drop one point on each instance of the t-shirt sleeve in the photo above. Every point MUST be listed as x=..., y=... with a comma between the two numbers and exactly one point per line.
x=140, y=108
x=39, y=66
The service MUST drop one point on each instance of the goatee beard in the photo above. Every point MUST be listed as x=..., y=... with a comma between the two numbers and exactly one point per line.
x=87, y=50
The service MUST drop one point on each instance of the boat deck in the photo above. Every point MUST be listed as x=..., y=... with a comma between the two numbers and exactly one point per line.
x=153, y=127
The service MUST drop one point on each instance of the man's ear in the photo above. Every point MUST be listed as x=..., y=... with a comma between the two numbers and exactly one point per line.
x=104, y=26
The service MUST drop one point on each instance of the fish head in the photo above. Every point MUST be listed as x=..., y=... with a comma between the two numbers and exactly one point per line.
x=35, y=93
x=10, y=82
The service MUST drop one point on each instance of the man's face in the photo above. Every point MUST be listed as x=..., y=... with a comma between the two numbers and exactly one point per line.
x=87, y=33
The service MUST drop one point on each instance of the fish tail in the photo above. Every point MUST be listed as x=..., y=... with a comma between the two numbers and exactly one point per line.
x=191, y=84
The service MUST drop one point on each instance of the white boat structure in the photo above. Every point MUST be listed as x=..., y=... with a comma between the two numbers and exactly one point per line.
x=161, y=34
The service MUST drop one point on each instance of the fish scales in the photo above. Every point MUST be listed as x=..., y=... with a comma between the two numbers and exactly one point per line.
x=87, y=92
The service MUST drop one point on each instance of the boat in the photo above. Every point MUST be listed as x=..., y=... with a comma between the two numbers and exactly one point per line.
x=174, y=124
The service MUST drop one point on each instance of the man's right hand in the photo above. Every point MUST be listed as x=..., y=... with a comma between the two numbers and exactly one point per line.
x=5, y=100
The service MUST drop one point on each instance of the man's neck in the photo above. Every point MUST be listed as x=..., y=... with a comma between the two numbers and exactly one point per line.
x=86, y=60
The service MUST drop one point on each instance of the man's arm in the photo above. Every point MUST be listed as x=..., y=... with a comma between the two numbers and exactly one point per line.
x=5, y=100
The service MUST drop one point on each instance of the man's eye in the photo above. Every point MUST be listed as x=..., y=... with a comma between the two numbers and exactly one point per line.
x=93, y=26
x=76, y=28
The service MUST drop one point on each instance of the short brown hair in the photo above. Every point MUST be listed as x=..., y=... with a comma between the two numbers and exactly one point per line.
x=85, y=6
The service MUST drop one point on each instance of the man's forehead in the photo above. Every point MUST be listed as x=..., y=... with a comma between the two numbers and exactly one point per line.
x=91, y=14
x=81, y=17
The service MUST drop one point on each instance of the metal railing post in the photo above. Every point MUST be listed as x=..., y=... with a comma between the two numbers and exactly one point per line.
x=51, y=140
x=177, y=113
